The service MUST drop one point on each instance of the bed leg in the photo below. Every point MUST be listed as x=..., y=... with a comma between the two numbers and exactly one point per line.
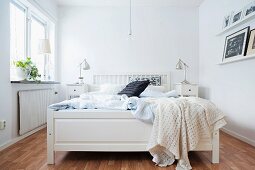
x=50, y=138
x=51, y=157
x=215, y=148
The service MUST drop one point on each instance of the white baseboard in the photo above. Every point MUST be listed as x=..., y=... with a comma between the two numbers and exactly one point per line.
x=238, y=136
x=13, y=141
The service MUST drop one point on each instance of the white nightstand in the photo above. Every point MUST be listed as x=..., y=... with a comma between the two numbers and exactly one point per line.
x=75, y=90
x=186, y=89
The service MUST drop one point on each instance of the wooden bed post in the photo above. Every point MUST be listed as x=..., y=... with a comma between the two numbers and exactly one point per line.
x=216, y=147
x=50, y=138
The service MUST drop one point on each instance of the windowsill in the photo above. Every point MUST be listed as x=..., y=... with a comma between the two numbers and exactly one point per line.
x=34, y=82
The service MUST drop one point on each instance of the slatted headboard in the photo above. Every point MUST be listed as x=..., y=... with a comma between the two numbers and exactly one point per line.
x=157, y=79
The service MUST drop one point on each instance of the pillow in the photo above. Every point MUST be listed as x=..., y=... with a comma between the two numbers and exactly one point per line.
x=135, y=88
x=97, y=96
x=93, y=87
x=153, y=91
x=111, y=88
x=152, y=94
x=154, y=80
x=172, y=93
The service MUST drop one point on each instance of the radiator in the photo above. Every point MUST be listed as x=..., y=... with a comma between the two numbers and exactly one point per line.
x=33, y=108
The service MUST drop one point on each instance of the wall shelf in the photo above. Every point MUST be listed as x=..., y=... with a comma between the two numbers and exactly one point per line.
x=238, y=59
x=236, y=24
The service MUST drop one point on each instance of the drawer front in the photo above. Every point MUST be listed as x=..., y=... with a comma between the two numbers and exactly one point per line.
x=189, y=90
x=75, y=90
x=108, y=130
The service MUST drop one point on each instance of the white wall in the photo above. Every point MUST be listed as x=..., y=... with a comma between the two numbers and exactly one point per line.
x=160, y=36
x=8, y=91
x=5, y=86
x=229, y=86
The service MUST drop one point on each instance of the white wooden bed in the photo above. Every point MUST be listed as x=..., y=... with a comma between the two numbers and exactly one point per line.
x=107, y=130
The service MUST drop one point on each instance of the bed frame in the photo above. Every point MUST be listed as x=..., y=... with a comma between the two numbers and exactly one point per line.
x=108, y=130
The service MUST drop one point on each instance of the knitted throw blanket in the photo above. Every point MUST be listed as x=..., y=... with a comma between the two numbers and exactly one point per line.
x=178, y=126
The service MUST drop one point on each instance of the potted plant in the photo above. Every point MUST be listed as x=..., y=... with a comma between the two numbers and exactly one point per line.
x=26, y=70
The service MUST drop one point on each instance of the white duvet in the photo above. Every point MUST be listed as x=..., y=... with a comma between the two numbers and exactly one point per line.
x=93, y=101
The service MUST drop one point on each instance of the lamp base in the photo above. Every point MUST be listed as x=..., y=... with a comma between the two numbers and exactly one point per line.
x=80, y=80
x=185, y=82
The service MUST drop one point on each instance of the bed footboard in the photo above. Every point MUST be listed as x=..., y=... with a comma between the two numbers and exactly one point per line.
x=111, y=131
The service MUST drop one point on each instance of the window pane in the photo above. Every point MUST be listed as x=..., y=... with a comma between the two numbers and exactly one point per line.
x=37, y=33
x=17, y=24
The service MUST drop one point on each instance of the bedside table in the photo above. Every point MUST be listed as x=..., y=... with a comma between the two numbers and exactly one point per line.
x=75, y=90
x=186, y=89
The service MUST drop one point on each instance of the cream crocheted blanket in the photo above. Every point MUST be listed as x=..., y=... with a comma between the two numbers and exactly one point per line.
x=178, y=126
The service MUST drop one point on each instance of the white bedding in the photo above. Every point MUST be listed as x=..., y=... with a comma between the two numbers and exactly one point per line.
x=93, y=100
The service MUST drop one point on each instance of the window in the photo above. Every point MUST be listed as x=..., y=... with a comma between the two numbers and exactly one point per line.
x=18, y=25
x=28, y=26
x=38, y=31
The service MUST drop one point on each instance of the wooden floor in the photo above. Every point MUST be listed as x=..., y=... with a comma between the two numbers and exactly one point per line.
x=30, y=153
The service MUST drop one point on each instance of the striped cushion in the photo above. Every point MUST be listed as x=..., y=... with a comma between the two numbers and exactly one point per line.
x=135, y=88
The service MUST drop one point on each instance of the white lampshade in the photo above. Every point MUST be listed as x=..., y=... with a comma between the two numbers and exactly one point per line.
x=86, y=65
x=179, y=65
x=44, y=46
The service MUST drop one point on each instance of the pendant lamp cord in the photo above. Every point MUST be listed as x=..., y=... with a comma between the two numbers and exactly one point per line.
x=130, y=17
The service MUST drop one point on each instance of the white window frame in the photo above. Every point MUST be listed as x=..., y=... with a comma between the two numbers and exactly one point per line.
x=32, y=11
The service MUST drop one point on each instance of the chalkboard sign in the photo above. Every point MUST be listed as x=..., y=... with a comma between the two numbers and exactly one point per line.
x=235, y=44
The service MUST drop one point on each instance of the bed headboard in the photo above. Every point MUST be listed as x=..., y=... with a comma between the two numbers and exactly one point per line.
x=156, y=78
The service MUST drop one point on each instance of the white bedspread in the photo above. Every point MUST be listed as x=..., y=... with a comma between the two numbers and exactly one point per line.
x=178, y=126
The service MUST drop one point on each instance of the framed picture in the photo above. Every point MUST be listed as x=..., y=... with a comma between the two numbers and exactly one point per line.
x=237, y=16
x=249, y=9
x=251, y=44
x=227, y=21
x=235, y=45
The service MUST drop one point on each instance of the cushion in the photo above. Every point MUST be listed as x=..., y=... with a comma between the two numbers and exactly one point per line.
x=172, y=93
x=135, y=88
x=111, y=88
x=153, y=91
x=154, y=80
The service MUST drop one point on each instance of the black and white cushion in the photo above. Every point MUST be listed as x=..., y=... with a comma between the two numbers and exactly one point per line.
x=135, y=88
x=154, y=80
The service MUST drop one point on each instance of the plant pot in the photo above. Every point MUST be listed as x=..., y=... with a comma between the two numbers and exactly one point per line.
x=20, y=74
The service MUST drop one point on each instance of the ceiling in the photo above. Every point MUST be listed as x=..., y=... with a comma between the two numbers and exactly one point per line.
x=126, y=2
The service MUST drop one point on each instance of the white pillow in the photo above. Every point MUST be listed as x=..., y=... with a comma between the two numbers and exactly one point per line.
x=111, y=88
x=172, y=93
x=94, y=87
x=153, y=91
x=156, y=88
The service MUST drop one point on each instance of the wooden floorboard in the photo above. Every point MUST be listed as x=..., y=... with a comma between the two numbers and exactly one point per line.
x=30, y=154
